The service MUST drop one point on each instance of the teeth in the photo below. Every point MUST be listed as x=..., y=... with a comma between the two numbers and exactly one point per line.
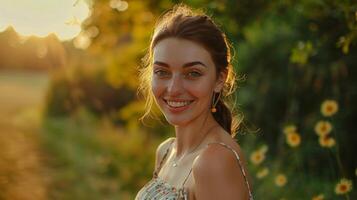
x=178, y=103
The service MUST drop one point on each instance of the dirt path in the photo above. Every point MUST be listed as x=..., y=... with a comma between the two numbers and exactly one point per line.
x=22, y=175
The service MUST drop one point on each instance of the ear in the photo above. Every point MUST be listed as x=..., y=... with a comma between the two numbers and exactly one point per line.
x=221, y=80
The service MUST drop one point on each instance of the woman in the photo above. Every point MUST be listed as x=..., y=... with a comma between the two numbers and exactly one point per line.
x=187, y=74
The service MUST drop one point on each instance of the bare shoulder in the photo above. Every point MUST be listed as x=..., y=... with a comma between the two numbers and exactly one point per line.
x=161, y=149
x=218, y=174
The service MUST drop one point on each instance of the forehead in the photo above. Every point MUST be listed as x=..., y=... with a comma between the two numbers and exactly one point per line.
x=176, y=52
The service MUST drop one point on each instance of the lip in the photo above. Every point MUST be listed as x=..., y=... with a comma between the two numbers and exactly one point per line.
x=178, y=109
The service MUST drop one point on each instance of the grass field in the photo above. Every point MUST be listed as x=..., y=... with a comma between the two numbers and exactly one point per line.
x=21, y=93
x=21, y=169
x=76, y=157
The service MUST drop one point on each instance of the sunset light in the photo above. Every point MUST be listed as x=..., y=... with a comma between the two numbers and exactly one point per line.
x=261, y=93
x=43, y=17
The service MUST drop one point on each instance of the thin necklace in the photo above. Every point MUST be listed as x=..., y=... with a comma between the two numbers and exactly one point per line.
x=175, y=163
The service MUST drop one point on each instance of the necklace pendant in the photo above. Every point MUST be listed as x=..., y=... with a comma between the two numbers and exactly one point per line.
x=174, y=165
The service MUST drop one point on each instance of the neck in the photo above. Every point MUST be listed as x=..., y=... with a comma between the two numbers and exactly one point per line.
x=193, y=134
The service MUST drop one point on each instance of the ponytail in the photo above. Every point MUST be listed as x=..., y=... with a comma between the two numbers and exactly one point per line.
x=223, y=116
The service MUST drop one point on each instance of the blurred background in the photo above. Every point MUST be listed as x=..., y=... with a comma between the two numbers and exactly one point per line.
x=69, y=111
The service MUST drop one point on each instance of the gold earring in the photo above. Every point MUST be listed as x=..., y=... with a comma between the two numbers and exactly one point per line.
x=214, y=102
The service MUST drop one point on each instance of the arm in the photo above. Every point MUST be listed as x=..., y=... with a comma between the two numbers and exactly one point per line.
x=217, y=175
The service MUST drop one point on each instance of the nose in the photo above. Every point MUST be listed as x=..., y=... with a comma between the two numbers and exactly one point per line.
x=174, y=86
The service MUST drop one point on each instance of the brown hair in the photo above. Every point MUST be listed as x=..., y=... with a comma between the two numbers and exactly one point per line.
x=182, y=22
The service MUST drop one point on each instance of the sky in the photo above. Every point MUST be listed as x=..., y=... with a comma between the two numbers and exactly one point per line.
x=42, y=17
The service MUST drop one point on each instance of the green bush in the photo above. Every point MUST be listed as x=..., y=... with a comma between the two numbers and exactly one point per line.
x=78, y=87
x=93, y=159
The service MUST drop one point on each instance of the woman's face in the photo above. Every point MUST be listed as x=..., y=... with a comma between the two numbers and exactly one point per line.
x=184, y=79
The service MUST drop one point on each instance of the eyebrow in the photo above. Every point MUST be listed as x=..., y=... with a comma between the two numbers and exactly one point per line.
x=189, y=64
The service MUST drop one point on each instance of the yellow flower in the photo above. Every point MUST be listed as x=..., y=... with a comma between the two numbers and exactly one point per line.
x=326, y=141
x=257, y=157
x=280, y=180
x=262, y=173
x=343, y=187
x=329, y=108
x=293, y=139
x=323, y=128
x=318, y=197
x=289, y=129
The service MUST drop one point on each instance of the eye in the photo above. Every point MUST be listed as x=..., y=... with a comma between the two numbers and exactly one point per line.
x=161, y=73
x=194, y=74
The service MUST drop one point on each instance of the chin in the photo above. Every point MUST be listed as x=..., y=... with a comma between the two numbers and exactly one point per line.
x=182, y=120
x=176, y=121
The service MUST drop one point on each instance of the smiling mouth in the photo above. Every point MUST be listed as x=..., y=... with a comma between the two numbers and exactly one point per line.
x=177, y=104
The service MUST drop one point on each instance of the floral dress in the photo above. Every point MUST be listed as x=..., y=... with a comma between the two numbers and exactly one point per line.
x=158, y=189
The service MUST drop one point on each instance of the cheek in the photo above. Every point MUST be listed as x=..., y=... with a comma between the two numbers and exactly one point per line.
x=202, y=90
x=156, y=88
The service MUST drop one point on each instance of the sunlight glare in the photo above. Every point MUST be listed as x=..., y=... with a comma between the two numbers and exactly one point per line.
x=43, y=17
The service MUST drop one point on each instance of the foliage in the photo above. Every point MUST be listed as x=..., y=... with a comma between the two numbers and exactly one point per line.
x=80, y=87
x=93, y=159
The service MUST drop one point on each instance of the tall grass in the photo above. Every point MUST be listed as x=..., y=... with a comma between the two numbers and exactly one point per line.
x=92, y=159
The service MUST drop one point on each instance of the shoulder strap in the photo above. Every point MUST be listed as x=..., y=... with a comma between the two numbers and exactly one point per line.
x=240, y=165
x=156, y=171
